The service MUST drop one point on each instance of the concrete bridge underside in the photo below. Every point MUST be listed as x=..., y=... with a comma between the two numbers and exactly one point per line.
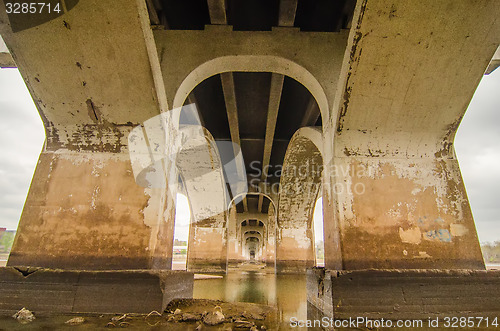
x=354, y=101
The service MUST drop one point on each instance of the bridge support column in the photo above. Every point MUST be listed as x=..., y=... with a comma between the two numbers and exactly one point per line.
x=207, y=251
x=399, y=195
x=233, y=252
x=406, y=213
x=300, y=183
x=85, y=211
x=271, y=238
x=295, y=250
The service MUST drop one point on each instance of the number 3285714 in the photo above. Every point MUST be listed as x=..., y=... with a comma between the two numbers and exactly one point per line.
x=31, y=8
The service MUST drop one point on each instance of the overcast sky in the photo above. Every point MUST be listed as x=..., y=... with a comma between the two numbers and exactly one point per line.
x=477, y=146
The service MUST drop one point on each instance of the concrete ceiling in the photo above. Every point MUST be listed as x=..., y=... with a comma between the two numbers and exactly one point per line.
x=258, y=111
x=255, y=15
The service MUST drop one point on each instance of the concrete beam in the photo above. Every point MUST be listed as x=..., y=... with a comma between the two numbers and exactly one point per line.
x=227, y=80
x=192, y=100
x=217, y=9
x=288, y=9
x=495, y=62
x=6, y=60
x=311, y=115
x=231, y=106
x=153, y=15
x=272, y=117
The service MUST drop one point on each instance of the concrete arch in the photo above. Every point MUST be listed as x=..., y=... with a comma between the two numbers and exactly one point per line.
x=300, y=184
x=199, y=163
x=253, y=193
x=302, y=168
x=253, y=226
x=259, y=236
x=253, y=230
x=253, y=63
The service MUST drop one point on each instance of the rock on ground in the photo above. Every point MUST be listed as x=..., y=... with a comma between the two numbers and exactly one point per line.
x=238, y=315
x=24, y=316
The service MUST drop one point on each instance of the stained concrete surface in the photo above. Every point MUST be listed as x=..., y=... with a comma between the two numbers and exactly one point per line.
x=404, y=294
x=71, y=291
x=287, y=293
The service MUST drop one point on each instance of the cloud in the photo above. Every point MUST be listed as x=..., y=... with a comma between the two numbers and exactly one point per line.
x=22, y=136
x=478, y=152
x=182, y=218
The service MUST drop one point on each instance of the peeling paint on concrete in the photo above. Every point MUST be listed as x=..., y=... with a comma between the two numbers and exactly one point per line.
x=458, y=230
x=411, y=236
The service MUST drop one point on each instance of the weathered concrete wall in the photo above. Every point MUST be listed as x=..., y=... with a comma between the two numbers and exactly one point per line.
x=233, y=245
x=407, y=213
x=48, y=291
x=86, y=212
x=398, y=195
x=300, y=183
x=201, y=54
x=201, y=170
x=404, y=294
x=6, y=60
x=207, y=250
x=84, y=209
x=271, y=238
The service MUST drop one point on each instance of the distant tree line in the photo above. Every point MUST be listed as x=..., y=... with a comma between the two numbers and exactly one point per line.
x=320, y=250
x=6, y=241
x=491, y=252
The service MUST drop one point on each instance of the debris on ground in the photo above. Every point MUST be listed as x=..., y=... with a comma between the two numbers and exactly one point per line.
x=119, y=318
x=24, y=316
x=243, y=324
x=151, y=320
x=75, y=321
x=233, y=316
x=188, y=317
x=215, y=317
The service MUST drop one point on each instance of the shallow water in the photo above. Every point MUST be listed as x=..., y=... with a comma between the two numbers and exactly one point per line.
x=286, y=292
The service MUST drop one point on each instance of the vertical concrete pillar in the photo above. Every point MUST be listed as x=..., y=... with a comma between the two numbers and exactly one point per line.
x=203, y=179
x=400, y=198
x=271, y=237
x=207, y=251
x=85, y=209
x=233, y=249
x=331, y=228
x=299, y=186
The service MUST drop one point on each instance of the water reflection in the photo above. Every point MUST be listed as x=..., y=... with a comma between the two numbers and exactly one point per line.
x=286, y=292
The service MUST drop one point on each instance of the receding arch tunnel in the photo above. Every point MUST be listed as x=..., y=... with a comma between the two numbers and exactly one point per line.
x=261, y=112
